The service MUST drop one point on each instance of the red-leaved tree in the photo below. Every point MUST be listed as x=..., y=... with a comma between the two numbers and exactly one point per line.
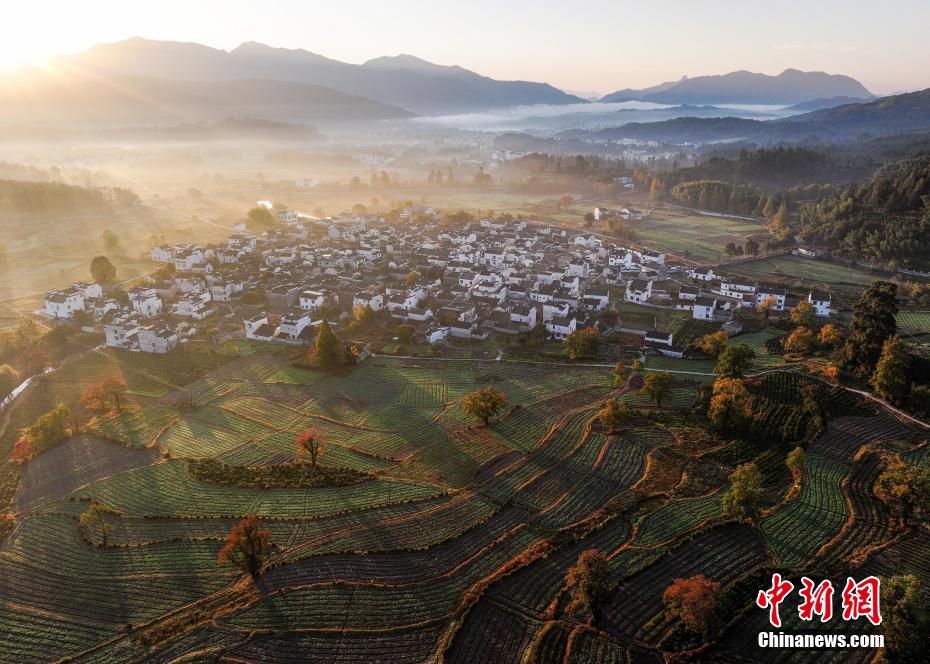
x=308, y=443
x=693, y=600
x=247, y=546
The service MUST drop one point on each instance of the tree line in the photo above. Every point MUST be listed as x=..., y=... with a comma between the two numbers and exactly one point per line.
x=41, y=199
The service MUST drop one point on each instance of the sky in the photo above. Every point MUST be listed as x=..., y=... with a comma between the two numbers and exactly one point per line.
x=581, y=45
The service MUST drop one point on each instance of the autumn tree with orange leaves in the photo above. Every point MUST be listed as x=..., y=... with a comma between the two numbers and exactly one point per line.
x=308, y=443
x=108, y=393
x=693, y=600
x=247, y=546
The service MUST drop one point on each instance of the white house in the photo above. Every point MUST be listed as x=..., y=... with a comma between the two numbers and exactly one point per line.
x=289, y=217
x=121, y=332
x=704, y=308
x=555, y=310
x=259, y=328
x=436, y=334
x=156, y=338
x=661, y=342
x=687, y=292
x=821, y=303
x=145, y=302
x=743, y=291
x=706, y=274
x=561, y=326
x=311, y=300
x=524, y=314
x=223, y=291
x=777, y=294
x=638, y=290
x=369, y=299
x=62, y=303
x=293, y=325
x=195, y=305
x=596, y=299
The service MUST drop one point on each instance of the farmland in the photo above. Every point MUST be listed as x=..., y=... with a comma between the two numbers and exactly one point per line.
x=701, y=237
x=454, y=541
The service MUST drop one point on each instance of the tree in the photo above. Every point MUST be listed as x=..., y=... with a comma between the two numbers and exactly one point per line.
x=484, y=403
x=730, y=249
x=328, y=349
x=778, y=224
x=873, y=323
x=95, y=518
x=801, y=341
x=751, y=247
x=693, y=601
x=803, y=314
x=614, y=414
x=102, y=270
x=589, y=219
x=656, y=191
x=901, y=608
x=769, y=208
x=889, y=380
x=620, y=373
x=609, y=317
x=9, y=379
x=363, y=317
x=735, y=361
x=904, y=488
x=796, y=462
x=636, y=365
x=581, y=343
x=404, y=334
x=308, y=443
x=259, y=217
x=730, y=408
x=657, y=385
x=110, y=240
x=586, y=582
x=247, y=546
x=412, y=277
x=767, y=306
x=829, y=336
x=713, y=344
x=48, y=429
x=108, y=393
x=743, y=500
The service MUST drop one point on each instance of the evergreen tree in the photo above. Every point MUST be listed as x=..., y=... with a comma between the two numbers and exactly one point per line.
x=328, y=349
x=873, y=323
x=889, y=380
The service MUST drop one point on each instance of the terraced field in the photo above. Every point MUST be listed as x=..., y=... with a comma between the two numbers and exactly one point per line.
x=454, y=544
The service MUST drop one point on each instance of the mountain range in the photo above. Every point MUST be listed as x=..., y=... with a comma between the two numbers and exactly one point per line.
x=743, y=87
x=139, y=82
x=404, y=81
x=897, y=114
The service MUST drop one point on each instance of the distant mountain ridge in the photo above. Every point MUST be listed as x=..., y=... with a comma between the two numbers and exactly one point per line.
x=402, y=81
x=897, y=114
x=743, y=87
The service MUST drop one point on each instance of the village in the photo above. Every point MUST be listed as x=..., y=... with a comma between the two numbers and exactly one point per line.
x=448, y=281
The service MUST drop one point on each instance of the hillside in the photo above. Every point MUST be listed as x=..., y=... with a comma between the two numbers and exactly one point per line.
x=743, y=87
x=886, y=219
x=71, y=98
x=405, y=81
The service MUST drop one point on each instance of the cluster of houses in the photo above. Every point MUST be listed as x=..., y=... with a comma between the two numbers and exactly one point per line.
x=626, y=214
x=446, y=281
